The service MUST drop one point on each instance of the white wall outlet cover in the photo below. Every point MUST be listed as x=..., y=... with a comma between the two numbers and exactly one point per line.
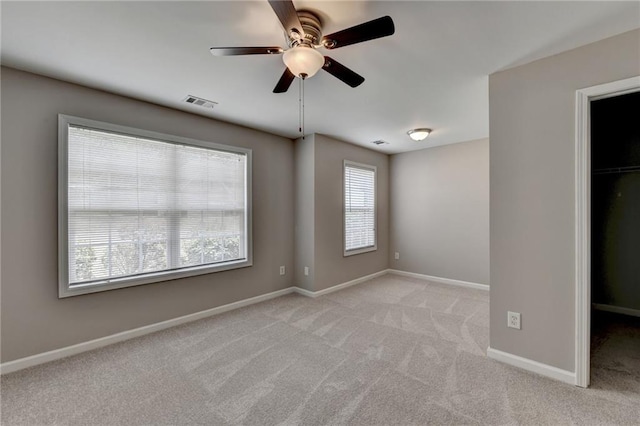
x=282, y=270
x=306, y=270
x=513, y=320
x=397, y=256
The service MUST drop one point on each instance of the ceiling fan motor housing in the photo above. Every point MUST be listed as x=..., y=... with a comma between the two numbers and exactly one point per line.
x=312, y=28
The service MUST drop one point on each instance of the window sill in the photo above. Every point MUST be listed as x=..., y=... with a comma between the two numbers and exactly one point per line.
x=348, y=253
x=66, y=290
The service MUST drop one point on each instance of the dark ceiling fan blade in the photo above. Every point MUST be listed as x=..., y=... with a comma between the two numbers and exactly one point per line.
x=286, y=13
x=371, y=30
x=284, y=82
x=233, y=51
x=341, y=72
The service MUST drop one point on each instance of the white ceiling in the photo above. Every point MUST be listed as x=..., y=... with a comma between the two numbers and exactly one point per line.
x=433, y=72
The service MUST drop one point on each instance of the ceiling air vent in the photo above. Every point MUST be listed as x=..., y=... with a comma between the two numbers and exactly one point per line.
x=199, y=102
x=380, y=142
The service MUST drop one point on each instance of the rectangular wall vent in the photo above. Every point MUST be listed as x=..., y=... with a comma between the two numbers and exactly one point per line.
x=380, y=142
x=194, y=100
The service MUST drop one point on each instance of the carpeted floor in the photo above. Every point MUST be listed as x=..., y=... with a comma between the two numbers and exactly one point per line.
x=390, y=351
x=615, y=353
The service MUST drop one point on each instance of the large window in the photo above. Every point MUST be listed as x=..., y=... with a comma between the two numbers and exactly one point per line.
x=137, y=207
x=359, y=208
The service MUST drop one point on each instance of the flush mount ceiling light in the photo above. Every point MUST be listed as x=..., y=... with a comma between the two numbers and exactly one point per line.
x=419, y=134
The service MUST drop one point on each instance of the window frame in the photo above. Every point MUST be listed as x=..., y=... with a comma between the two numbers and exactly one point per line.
x=65, y=289
x=367, y=249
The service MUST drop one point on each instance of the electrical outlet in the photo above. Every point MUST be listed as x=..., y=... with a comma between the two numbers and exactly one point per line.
x=306, y=270
x=282, y=270
x=513, y=320
x=397, y=256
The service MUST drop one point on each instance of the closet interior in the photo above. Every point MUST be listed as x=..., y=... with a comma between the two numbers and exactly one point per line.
x=615, y=242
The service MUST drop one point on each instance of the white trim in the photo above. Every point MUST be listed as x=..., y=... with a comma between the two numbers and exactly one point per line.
x=583, y=219
x=30, y=361
x=449, y=281
x=338, y=287
x=617, y=309
x=533, y=366
x=583, y=241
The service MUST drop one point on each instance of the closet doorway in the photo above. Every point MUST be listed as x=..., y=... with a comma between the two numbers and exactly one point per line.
x=615, y=242
x=608, y=235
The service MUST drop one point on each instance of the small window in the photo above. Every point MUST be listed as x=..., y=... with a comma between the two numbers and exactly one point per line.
x=137, y=207
x=359, y=208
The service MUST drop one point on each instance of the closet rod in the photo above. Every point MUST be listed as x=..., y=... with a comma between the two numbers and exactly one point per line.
x=630, y=169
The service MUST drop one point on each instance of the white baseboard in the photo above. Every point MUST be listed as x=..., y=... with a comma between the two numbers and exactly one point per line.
x=533, y=366
x=616, y=309
x=440, y=280
x=338, y=287
x=30, y=361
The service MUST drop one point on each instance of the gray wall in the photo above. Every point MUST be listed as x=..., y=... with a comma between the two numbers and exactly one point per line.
x=304, y=211
x=331, y=267
x=34, y=320
x=440, y=211
x=532, y=168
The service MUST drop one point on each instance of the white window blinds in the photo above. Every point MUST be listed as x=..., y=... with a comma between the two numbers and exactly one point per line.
x=140, y=207
x=359, y=208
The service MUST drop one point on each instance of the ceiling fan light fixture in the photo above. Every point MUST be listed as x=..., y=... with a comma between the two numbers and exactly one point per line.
x=419, y=134
x=303, y=60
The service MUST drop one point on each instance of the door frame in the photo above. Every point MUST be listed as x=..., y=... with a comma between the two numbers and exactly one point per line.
x=583, y=216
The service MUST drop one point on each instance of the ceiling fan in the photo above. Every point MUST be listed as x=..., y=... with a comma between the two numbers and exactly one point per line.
x=303, y=31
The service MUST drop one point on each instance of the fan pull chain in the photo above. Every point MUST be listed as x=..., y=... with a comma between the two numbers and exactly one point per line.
x=301, y=104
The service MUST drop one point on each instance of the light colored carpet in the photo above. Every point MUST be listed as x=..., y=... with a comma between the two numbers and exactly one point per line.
x=390, y=351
